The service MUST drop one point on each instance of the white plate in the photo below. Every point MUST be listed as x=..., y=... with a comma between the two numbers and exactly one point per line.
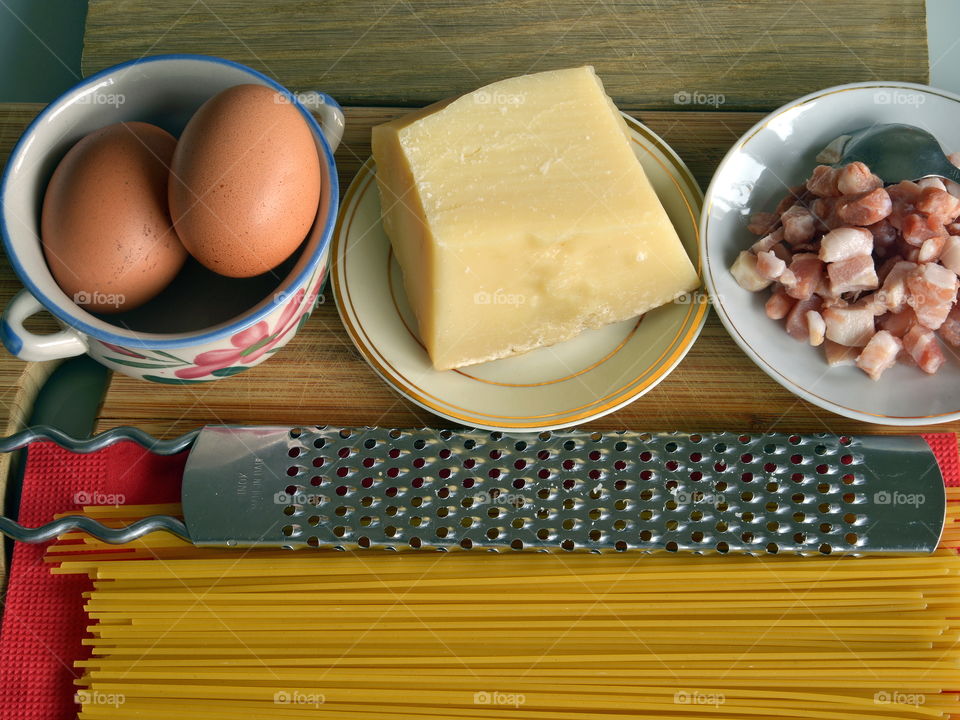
x=570, y=383
x=775, y=153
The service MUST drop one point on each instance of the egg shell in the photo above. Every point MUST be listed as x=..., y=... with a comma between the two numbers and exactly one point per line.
x=105, y=225
x=245, y=181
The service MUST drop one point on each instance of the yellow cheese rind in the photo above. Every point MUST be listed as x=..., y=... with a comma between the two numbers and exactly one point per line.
x=520, y=217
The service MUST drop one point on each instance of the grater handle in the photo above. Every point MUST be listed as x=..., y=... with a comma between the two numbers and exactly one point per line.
x=80, y=522
x=90, y=526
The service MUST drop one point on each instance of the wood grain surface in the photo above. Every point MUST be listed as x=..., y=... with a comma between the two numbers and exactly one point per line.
x=756, y=54
x=320, y=378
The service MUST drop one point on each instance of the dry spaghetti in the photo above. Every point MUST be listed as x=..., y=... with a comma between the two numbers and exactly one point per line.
x=181, y=632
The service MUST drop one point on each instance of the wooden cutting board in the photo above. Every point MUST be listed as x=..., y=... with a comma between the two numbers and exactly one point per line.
x=756, y=54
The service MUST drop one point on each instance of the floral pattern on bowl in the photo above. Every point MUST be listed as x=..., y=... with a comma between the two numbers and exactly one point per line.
x=244, y=349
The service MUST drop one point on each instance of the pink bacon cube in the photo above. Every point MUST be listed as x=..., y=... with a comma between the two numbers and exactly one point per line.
x=879, y=355
x=807, y=269
x=856, y=178
x=931, y=291
x=923, y=347
x=852, y=275
x=850, y=326
x=864, y=208
x=845, y=242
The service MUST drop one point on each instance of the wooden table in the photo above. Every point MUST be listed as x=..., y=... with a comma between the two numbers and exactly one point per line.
x=381, y=57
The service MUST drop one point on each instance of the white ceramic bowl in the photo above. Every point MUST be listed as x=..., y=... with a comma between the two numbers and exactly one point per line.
x=779, y=152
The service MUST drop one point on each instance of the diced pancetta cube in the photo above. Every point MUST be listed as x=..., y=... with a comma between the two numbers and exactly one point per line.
x=779, y=304
x=769, y=265
x=931, y=249
x=893, y=294
x=849, y=326
x=903, y=196
x=762, y=223
x=938, y=204
x=768, y=241
x=839, y=354
x=923, y=347
x=856, y=178
x=898, y=323
x=931, y=291
x=864, y=208
x=797, y=318
x=950, y=255
x=916, y=228
x=807, y=269
x=953, y=228
x=949, y=332
x=816, y=327
x=823, y=182
x=931, y=182
x=798, y=225
x=744, y=271
x=879, y=354
x=853, y=274
x=845, y=242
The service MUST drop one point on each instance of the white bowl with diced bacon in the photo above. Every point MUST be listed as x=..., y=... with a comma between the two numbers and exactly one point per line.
x=841, y=289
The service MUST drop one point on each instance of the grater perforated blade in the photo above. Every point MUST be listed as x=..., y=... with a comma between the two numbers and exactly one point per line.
x=348, y=488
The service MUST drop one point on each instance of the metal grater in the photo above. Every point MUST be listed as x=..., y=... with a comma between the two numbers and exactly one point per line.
x=348, y=488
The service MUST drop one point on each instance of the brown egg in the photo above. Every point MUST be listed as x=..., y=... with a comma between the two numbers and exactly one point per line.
x=245, y=181
x=105, y=225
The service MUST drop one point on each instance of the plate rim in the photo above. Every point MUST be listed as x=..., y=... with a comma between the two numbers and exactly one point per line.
x=687, y=331
x=716, y=301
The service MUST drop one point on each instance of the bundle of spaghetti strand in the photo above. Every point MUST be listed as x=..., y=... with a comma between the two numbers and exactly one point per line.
x=181, y=632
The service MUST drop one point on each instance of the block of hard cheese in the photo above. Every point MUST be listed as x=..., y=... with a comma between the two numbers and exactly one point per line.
x=520, y=217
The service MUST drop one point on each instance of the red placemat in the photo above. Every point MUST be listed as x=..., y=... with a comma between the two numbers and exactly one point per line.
x=43, y=619
x=44, y=622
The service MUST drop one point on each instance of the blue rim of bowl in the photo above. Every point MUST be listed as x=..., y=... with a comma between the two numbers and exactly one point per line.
x=720, y=309
x=165, y=340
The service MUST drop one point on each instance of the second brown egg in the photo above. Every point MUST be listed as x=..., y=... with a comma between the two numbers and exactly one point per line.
x=245, y=181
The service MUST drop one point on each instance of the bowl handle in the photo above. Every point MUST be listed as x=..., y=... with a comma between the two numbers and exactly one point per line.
x=330, y=115
x=30, y=346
